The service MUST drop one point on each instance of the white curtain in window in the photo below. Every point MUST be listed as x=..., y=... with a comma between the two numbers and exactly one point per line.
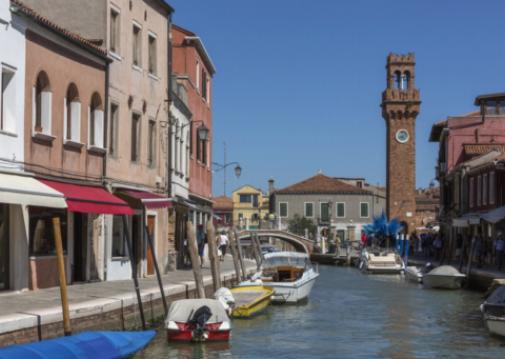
x=46, y=111
x=98, y=128
x=75, y=112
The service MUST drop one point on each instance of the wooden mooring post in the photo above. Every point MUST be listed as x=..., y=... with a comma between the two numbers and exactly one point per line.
x=67, y=330
x=195, y=260
x=157, y=269
x=213, y=257
x=234, y=254
x=240, y=255
x=256, y=250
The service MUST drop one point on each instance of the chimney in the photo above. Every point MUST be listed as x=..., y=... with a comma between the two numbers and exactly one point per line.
x=271, y=188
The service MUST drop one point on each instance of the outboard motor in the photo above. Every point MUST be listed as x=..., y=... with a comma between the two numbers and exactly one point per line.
x=428, y=267
x=199, y=319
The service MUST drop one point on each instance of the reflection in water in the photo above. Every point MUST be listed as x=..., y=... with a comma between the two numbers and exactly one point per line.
x=351, y=315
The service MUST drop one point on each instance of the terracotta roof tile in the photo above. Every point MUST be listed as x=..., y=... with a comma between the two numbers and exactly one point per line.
x=86, y=43
x=321, y=184
x=222, y=203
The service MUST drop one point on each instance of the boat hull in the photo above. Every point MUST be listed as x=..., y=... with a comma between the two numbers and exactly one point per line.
x=412, y=274
x=442, y=281
x=255, y=306
x=293, y=292
x=495, y=325
x=191, y=336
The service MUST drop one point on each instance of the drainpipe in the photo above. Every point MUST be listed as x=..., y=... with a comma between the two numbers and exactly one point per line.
x=105, y=119
x=169, y=103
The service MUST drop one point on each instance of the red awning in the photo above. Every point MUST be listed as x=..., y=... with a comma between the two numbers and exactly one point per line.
x=148, y=199
x=89, y=199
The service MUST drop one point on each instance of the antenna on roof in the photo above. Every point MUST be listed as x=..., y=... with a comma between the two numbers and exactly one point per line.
x=320, y=172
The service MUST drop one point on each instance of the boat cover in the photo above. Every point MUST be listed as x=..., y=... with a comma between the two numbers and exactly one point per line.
x=182, y=310
x=87, y=345
x=498, y=296
x=293, y=259
x=446, y=271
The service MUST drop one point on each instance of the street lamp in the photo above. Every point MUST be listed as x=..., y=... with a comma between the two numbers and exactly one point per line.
x=223, y=166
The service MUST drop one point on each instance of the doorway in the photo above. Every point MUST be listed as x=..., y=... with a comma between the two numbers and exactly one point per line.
x=80, y=247
x=151, y=225
x=4, y=246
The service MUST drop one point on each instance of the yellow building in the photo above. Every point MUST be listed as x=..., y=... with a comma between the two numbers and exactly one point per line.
x=250, y=205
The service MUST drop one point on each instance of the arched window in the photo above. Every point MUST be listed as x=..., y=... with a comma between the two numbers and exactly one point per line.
x=42, y=99
x=96, y=121
x=406, y=80
x=72, y=114
x=398, y=80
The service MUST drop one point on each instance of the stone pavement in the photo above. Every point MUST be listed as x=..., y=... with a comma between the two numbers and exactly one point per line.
x=35, y=308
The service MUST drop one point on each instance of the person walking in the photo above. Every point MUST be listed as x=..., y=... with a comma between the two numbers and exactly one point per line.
x=201, y=239
x=223, y=244
x=500, y=250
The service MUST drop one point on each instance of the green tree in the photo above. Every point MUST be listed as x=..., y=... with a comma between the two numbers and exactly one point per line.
x=298, y=224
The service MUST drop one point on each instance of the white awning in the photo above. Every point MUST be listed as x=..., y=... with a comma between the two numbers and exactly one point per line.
x=25, y=190
x=460, y=222
x=495, y=215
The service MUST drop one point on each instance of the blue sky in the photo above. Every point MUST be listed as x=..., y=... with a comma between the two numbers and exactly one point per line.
x=299, y=83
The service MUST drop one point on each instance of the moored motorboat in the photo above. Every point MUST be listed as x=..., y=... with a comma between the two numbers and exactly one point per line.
x=86, y=345
x=197, y=320
x=381, y=262
x=290, y=274
x=414, y=274
x=443, y=277
x=250, y=300
x=493, y=311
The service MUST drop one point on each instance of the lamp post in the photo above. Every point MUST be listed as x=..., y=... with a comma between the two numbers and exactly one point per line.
x=222, y=167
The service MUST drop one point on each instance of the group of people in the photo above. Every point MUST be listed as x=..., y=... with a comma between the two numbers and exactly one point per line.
x=201, y=240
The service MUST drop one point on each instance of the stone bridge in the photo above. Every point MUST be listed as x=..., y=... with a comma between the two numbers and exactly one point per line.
x=300, y=243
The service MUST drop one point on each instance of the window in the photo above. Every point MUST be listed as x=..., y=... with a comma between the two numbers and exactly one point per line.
x=42, y=104
x=204, y=84
x=406, y=80
x=484, y=189
x=7, y=100
x=325, y=211
x=152, y=143
x=118, y=243
x=491, y=108
x=152, y=54
x=479, y=190
x=492, y=187
x=398, y=80
x=283, y=209
x=96, y=121
x=472, y=192
x=255, y=202
x=191, y=138
x=340, y=209
x=309, y=209
x=72, y=115
x=114, y=117
x=41, y=230
x=240, y=216
x=245, y=198
x=363, y=210
x=114, y=31
x=197, y=77
x=176, y=148
x=201, y=149
x=135, y=138
x=137, y=45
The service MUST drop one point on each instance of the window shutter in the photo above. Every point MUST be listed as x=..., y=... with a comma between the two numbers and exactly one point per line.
x=65, y=117
x=99, y=128
x=34, y=107
x=75, y=111
x=46, y=112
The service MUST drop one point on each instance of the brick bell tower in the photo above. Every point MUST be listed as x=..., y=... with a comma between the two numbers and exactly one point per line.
x=400, y=107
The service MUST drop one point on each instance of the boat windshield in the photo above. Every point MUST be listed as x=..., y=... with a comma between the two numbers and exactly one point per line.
x=277, y=261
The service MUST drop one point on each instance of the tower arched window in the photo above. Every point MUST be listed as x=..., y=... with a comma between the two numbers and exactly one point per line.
x=406, y=80
x=72, y=114
x=398, y=80
x=42, y=104
x=96, y=121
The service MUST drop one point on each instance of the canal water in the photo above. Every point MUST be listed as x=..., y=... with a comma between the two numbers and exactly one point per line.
x=351, y=315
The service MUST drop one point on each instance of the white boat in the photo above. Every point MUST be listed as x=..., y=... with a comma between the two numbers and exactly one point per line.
x=493, y=311
x=414, y=274
x=381, y=262
x=290, y=274
x=444, y=277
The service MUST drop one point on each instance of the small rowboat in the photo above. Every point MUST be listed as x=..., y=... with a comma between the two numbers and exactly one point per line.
x=87, y=345
x=250, y=300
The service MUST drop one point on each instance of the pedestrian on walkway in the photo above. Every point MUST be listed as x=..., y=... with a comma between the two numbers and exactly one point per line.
x=201, y=239
x=223, y=244
x=500, y=250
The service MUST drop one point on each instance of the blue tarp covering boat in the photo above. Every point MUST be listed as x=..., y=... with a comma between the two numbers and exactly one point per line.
x=87, y=345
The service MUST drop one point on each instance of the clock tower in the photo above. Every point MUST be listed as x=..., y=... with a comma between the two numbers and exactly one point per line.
x=400, y=107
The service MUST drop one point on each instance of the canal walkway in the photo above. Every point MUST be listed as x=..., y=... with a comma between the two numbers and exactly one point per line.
x=35, y=315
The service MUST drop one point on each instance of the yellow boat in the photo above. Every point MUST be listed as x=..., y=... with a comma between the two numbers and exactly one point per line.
x=250, y=300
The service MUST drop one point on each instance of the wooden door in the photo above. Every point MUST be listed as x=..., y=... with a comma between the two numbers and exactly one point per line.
x=151, y=225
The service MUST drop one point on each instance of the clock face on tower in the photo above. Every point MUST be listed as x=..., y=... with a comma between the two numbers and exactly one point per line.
x=402, y=136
